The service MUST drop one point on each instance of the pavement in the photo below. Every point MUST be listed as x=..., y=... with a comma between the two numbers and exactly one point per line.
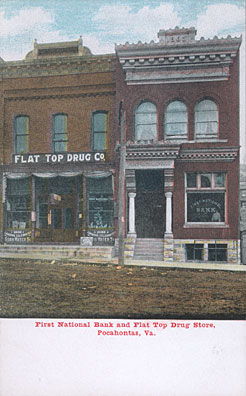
x=131, y=262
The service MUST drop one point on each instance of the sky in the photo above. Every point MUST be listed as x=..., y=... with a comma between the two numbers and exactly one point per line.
x=102, y=23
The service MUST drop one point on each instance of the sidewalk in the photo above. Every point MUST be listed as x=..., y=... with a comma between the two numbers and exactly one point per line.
x=142, y=263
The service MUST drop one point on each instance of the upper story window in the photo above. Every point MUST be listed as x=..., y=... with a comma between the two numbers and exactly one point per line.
x=99, y=129
x=206, y=120
x=145, y=122
x=21, y=134
x=176, y=120
x=59, y=133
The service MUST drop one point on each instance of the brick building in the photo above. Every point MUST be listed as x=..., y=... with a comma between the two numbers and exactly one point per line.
x=181, y=104
x=57, y=145
x=178, y=99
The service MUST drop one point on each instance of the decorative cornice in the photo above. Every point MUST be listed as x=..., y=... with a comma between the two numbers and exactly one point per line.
x=158, y=150
x=60, y=96
x=57, y=66
x=209, y=154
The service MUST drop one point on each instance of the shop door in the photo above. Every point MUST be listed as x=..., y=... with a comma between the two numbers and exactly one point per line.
x=62, y=219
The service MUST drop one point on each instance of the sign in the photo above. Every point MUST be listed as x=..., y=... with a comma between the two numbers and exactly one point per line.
x=102, y=237
x=17, y=236
x=58, y=158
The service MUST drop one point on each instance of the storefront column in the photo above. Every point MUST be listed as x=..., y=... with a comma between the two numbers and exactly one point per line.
x=132, y=229
x=168, y=232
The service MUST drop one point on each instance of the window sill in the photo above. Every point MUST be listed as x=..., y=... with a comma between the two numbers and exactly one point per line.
x=205, y=225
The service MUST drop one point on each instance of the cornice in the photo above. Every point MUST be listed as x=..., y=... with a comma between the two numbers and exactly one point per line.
x=57, y=66
x=60, y=96
x=209, y=154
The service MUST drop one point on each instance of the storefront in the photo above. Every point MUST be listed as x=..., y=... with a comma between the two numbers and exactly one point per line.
x=58, y=207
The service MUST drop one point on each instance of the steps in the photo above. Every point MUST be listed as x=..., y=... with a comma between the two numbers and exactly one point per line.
x=56, y=251
x=149, y=249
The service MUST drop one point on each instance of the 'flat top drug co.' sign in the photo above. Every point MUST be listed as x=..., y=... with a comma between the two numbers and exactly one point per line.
x=59, y=158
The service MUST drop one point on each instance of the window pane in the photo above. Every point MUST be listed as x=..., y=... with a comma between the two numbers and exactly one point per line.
x=205, y=207
x=145, y=122
x=60, y=146
x=206, y=180
x=176, y=119
x=146, y=132
x=21, y=125
x=191, y=180
x=21, y=144
x=219, y=179
x=60, y=123
x=99, y=122
x=206, y=118
x=99, y=141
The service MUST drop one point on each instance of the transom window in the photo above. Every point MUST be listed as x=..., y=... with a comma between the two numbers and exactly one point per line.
x=176, y=120
x=145, y=122
x=205, y=197
x=21, y=134
x=59, y=133
x=206, y=120
x=99, y=129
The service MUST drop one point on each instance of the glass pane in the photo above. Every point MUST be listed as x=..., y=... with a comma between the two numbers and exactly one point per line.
x=206, y=105
x=68, y=218
x=146, y=107
x=99, y=141
x=206, y=207
x=146, y=132
x=60, y=124
x=60, y=146
x=176, y=129
x=145, y=118
x=191, y=180
x=100, y=185
x=206, y=180
x=219, y=179
x=21, y=144
x=176, y=106
x=56, y=218
x=21, y=125
x=99, y=122
x=176, y=117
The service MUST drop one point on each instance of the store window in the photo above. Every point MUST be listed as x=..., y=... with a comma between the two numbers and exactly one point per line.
x=176, y=120
x=206, y=120
x=99, y=131
x=100, y=202
x=18, y=203
x=59, y=133
x=146, y=122
x=21, y=134
x=205, y=197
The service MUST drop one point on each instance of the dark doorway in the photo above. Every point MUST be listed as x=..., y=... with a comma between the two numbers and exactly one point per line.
x=150, y=204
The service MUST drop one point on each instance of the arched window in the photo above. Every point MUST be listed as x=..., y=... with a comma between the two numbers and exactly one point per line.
x=206, y=120
x=21, y=134
x=99, y=129
x=145, y=122
x=176, y=120
x=59, y=133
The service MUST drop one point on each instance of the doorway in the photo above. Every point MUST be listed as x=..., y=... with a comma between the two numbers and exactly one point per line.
x=150, y=204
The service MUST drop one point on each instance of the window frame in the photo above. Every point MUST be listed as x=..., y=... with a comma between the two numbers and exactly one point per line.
x=65, y=140
x=183, y=136
x=154, y=123
x=202, y=136
x=93, y=133
x=16, y=135
x=212, y=189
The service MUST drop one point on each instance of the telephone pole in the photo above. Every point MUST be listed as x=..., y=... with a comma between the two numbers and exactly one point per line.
x=121, y=196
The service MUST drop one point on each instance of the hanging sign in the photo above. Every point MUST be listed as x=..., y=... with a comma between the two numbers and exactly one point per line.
x=59, y=158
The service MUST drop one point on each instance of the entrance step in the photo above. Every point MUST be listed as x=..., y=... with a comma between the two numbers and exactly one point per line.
x=59, y=251
x=149, y=249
